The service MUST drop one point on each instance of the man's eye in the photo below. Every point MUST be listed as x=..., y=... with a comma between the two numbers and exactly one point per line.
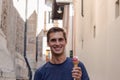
x=61, y=39
x=53, y=40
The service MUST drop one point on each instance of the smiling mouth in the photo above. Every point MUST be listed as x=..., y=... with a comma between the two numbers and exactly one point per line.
x=58, y=49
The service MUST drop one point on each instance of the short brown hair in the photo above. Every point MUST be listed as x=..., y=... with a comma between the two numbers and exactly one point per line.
x=54, y=30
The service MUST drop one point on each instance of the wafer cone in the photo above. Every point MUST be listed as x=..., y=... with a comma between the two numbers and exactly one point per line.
x=75, y=61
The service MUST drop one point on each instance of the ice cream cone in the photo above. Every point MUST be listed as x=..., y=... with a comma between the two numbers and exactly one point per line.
x=75, y=61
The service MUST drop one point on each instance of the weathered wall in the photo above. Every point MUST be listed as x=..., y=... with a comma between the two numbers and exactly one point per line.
x=11, y=38
x=97, y=40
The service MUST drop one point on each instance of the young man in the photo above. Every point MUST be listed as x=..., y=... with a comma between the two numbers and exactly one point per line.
x=59, y=67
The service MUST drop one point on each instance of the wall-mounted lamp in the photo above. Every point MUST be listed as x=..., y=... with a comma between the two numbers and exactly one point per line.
x=59, y=10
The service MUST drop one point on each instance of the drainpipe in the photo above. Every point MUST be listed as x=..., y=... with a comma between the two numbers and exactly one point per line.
x=36, y=49
x=25, y=39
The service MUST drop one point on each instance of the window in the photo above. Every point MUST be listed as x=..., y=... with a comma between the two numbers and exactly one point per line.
x=82, y=13
x=117, y=9
x=48, y=19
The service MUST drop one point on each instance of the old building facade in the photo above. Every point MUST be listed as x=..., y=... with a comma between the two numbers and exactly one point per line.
x=95, y=39
x=12, y=26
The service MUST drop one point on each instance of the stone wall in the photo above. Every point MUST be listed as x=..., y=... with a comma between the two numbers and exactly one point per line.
x=7, y=70
x=6, y=63
x=12, y=63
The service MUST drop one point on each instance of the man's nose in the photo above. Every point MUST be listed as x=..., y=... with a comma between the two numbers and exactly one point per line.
x=57, y=42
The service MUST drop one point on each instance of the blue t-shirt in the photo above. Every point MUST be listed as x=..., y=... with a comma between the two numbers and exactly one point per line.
x=61, y=71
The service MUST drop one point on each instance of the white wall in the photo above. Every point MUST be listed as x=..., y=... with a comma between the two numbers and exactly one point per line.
x=100, y=54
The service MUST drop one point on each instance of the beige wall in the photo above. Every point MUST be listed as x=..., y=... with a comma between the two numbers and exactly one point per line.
x=100, y=53
x=0, y=9
x=113, y=50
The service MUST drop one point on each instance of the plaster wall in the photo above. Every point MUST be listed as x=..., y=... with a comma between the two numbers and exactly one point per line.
x=97, y=39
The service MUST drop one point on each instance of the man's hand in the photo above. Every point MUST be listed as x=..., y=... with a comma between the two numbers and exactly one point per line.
x=77, y=73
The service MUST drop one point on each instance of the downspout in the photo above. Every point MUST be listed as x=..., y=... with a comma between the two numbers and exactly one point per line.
x=36, y=49
x=25, y=39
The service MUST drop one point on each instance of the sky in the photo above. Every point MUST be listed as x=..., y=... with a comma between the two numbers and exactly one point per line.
x=20, y=5
x=32, y=5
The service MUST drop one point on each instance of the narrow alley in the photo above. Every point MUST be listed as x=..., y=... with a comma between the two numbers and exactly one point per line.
x=92, y=29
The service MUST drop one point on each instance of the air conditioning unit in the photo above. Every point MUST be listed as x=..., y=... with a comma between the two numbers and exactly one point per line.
x=64, y=1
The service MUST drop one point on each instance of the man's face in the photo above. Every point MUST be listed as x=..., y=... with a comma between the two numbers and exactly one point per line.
x=57, y=43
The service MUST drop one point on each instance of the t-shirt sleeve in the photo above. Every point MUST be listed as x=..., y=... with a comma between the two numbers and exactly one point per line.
x=37, y=75
x=85, y=75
